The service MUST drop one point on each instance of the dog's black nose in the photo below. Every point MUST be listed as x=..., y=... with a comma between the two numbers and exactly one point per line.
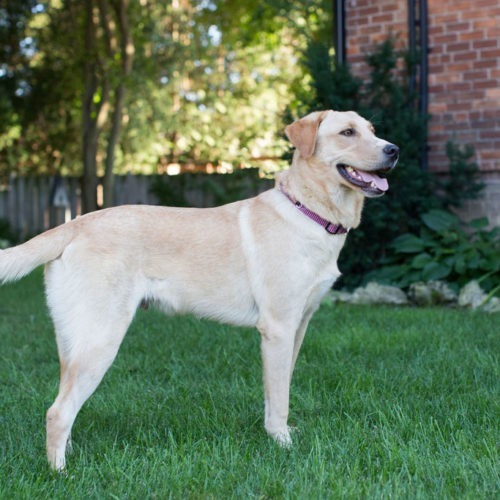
x=391, y=150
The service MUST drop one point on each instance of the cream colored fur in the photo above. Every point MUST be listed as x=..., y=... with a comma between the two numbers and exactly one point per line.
x=256, y=262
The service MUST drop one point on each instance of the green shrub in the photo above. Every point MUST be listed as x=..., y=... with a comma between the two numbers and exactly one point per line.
x=443, y=249
x=7, y=236
x=464, y=179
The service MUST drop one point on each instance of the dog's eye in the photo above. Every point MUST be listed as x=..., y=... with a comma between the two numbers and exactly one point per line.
x=348, y=132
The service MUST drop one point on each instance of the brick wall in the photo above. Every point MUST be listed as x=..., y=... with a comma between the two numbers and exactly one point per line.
x=369, y=23
x=464, y=71
x=464, y=76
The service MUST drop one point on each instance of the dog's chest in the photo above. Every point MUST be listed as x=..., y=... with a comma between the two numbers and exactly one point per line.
x=325, y=275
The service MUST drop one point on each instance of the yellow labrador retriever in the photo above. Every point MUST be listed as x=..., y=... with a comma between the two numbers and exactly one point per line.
x=266, y=261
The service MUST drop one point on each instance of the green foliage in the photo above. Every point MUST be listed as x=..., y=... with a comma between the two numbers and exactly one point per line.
x=443, y=249
x=209, y=82
x=7, y=236
x=386, y=100
x=464, y=179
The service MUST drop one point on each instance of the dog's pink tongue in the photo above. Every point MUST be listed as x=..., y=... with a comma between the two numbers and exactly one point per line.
x=380, y=182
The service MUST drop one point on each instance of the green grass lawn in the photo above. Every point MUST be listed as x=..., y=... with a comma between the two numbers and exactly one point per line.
x=388, y=402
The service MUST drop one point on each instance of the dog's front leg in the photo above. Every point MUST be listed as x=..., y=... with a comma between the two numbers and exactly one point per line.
x=277, y=355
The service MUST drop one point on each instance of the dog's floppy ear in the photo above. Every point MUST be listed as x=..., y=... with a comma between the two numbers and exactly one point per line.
x=302, y=133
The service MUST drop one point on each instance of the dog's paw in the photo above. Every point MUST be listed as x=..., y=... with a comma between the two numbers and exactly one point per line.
x=57, y=460
x=283, y=438
x=59, y=467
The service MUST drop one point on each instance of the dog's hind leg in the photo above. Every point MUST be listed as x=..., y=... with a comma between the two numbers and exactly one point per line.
x=83, y=365
x=89, y=327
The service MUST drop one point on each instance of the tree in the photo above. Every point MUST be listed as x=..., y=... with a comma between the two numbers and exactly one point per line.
x=109, y=52
x=100, y=87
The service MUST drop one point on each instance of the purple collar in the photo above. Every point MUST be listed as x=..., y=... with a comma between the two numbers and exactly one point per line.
x=327, y=225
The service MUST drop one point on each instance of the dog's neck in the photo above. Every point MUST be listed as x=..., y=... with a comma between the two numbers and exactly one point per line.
x=340, y=205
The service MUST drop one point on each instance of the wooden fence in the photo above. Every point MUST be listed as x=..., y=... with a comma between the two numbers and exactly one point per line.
x=32, y=205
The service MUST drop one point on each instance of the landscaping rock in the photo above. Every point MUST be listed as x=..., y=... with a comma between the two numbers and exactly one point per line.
x=472, y=295
x=432, y=293
x=374, y=293
x=339, y=296
x=492, y=306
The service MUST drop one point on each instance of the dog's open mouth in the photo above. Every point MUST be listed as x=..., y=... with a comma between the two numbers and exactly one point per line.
x=371, y=183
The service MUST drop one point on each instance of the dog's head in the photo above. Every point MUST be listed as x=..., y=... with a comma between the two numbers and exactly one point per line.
x=347, y=145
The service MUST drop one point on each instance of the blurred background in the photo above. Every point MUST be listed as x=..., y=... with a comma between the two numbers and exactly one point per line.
x=184, y=102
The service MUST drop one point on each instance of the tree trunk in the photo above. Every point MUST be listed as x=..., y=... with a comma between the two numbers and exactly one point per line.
x=114, y=135
x=127, y=55
x=89, y=125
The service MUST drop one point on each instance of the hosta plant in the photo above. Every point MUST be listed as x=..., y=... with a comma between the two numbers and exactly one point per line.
x=445, y=249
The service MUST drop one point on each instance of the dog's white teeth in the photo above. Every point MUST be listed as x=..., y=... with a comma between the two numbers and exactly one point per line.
x=372, y=184
x=353, y=172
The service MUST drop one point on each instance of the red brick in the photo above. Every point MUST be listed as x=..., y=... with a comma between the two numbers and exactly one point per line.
x=458, y=47
x=493, y=33
x=486, y=3
x=435, y=90
x=468, y=56
x=373, y=28
x=475, y=75
x=491, y=22
x=459, y=86
x=356, y=22
x=444, y=19
x=481, y=44
x=464, y=116
x=471, y=35
x=479, y=14
x=493, y=155
x=486, y=84
x=456, y=106
x=459, y=27
x=457, y=68
x=383, y=18
x=490, y=53
x=480, y=64
x=436, y=29
x=368, y=11
x=488, y=134
x=444, y=39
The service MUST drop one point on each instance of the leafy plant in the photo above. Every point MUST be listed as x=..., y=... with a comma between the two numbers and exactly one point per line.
x=443, y=249
x=464, y=179
x=7, y=236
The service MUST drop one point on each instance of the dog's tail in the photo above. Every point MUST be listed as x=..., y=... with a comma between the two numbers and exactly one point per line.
x=19, y=261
